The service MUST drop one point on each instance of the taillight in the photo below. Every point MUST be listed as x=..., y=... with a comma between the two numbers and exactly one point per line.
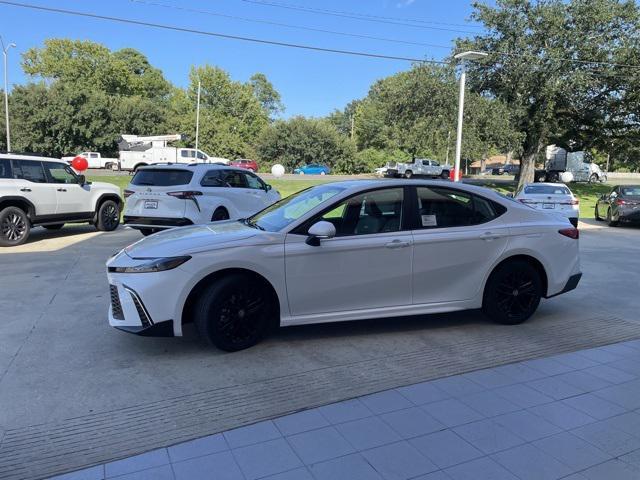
x=128, y=193
x=570, y=232
x=575, y=201
x=185, y=195
x=620, y=201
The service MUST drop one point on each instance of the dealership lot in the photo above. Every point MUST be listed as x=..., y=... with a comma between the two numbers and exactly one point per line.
x=76, y=392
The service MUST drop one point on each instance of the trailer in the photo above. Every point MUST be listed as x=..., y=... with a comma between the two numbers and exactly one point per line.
x=579, y=164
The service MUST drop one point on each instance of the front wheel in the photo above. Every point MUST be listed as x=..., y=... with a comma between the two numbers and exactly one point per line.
x=408, y=174
x=593, y=178
x=445, y=175
x=596, y=214
x=610, y=220
x=300, y=172
x=108, y=216
x=234, y=313
x=323, y=173
x=512, y=293
x=14, y=227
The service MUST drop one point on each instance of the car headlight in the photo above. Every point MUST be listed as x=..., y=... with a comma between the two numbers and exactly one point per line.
x=152, y=265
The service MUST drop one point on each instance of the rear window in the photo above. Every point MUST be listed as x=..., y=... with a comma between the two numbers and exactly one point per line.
x=631, y=191
x=162, y=177
x=546, y=190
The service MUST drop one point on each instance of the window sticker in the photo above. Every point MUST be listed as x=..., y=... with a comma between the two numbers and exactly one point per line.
x=429, y=220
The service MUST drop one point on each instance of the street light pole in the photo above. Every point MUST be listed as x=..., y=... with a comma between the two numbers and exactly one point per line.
x=5, y=50
x=464, y=56
x=198, y=116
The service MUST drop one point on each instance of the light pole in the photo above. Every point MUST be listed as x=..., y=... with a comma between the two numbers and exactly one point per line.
x=5, y=50
x=198, y=116
x=464, y=57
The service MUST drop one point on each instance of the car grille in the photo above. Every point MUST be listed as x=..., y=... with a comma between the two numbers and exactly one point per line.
x=116, y=307
x=142, y=312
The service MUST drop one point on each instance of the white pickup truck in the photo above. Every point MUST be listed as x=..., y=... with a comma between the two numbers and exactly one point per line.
x=95, y=160
x=420, y=166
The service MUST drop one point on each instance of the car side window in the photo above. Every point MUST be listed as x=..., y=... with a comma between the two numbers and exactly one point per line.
x=378, y=211
x=213, y=178
x=30, y=170
x=236, y=179
x=59, y=173
x=5, y=168
x=444, y=207
x=254, y=182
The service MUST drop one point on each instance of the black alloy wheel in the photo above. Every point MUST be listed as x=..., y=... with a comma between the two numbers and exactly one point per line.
x=596, y=214
x=14, y=227
x=108, y=216
x=512, y=293
x=234, y=313
x=610, y=220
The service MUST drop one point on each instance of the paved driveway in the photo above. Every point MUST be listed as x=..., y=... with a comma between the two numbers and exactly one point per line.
x=74, y=391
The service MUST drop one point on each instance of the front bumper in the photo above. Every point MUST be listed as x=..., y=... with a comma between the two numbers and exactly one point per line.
x=161, y=329
x=155, y=222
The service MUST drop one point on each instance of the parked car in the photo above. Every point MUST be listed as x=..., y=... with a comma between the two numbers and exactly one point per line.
x=510, y=169
x=245, y=163
x=40, y=191
x=621, y=204
x=94, y=160
x=312, y=169
x=348, y=250
x=419, y=166
x=167, y=196
x=551, y=197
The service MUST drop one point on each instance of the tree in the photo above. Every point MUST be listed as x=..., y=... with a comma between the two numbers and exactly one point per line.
x=550, y=63
x=301, y=141
x=266, y=94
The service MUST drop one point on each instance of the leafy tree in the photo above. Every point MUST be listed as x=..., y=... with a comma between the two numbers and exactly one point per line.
x=549, y=63
x=266, y=94
x=301, y=141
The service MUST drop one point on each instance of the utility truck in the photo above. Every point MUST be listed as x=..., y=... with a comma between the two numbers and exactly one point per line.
x=94, y=159
x=579, y=164
x=420, y=166
x=139, y=151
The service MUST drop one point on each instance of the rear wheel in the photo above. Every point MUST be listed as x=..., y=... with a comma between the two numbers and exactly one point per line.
x=323, y=172
x=408, y=174
x=14, y=227
x=220, y=214
x=108, y=216
x=593, y=178
x=57, y=226
x=597, y=214
x=234, y=313
x=512, y=293
x=610, y=220
x=445, y=174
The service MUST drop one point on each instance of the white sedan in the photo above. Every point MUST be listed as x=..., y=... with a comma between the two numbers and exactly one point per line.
x=552, y=198
x=350, y=250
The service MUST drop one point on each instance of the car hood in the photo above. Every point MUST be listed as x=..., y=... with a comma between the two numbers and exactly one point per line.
x=106, y=186
x=191, y=239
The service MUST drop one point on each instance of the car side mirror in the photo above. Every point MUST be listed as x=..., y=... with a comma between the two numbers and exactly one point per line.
x=267, y=187
x=321, y=230
x=510, y=195
x=82, y=180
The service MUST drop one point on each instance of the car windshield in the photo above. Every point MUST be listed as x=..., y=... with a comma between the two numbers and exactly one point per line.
x=286, y=211
x=162, y=177
x=546, y=190
x=633, y=191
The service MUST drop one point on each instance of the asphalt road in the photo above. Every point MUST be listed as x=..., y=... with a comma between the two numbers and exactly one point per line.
x=74, y=391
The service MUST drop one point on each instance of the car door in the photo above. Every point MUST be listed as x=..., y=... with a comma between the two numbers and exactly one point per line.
x=367, y=265
x=72, y=198
x=456, y=240
x=258, y=189
x=243, y=198
x=32, y=185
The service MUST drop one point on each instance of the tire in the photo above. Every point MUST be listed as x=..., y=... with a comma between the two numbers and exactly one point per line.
x=14, y=227
x=596, y=214
x=220, y=214
x=233, y=313
x=57, y=226
x=408, y=174
x=108, y=216
x=300, y=172
x=323, y=173
x=512, y=293
x=553, y=177
x=610, y=221
x=593, y=178
x=147, y=231
x=445, y=175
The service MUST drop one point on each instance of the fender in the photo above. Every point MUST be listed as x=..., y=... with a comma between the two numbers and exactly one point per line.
x=102, y=198
x=31, y=213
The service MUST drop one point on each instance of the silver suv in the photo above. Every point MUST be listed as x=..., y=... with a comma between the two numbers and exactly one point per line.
x=40, y=191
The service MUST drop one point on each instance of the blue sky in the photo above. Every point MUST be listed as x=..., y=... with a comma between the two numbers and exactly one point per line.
x=311, y=83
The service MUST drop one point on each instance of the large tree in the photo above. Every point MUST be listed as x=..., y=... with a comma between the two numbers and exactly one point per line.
x=551, y=62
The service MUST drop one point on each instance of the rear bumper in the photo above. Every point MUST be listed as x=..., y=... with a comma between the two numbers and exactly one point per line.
x=155, y=222
x=571, y=284
x=629, y=215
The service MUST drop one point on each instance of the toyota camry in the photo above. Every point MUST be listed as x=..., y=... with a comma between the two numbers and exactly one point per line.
x=351, y=250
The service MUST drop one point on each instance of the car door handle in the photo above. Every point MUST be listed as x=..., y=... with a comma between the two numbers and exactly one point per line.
x=397, y=244
x=62, y=189
x=491, y=235
x=25, y=189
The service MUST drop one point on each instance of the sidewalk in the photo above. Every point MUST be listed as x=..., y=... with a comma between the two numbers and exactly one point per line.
x=573, y=416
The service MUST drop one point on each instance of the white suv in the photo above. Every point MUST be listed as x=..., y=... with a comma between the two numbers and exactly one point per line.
x=174, y=195
x=40, y=191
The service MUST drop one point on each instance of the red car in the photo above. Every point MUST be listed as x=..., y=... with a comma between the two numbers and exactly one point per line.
x=244, y=163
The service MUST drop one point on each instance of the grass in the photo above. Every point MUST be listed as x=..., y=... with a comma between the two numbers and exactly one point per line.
x=587, y=193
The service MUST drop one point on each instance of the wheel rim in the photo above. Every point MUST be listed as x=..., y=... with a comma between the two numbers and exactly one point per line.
x=110, y=216
x=516, y=294
x=241, y=317
x=14, y=227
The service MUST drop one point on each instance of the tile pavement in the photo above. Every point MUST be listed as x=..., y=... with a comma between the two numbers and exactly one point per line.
x=574, y=416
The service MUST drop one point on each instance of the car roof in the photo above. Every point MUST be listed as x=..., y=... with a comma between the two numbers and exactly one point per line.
x=19, y=156
x=186, y=166
x=548, y=184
